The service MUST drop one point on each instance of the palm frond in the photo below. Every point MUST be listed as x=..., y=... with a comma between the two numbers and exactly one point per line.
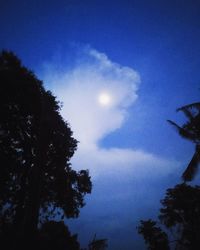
x=190, y=130
x=192, y=167
x=188, y=112
x=186, y=134
x=195, y=105
x=177, y=127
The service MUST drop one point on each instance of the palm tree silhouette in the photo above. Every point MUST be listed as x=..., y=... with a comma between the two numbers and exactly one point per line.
x=98, y=244
x=190, y=130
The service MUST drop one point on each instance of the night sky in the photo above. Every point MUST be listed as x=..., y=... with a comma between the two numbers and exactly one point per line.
x=121, y=69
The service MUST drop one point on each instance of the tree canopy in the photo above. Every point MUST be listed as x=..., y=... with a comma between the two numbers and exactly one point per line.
x=36, y=144
x=180, y=212
x=180, y=215
x=153, y=235
x=55, y=235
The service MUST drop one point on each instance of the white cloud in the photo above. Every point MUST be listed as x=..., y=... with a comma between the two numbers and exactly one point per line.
x=123, y=179
x=79, y=89
x=119, y=162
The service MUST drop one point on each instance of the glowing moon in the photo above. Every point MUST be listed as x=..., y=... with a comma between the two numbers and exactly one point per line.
x=104, y=99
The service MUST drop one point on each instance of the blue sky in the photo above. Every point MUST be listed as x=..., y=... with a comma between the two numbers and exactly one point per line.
x=135, y=155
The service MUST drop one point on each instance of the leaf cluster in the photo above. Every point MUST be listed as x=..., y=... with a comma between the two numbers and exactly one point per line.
x=36, y=145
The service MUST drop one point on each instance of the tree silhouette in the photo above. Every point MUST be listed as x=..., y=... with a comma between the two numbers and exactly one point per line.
x=180, y=215
x=180, y=212
x=36, y=180
x=154, y=237
x=56, y=236
x=190, y=131
x=98, y=244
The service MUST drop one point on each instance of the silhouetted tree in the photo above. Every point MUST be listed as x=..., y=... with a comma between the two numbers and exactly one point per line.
x=56, y=236
x=36, y=144
x=98, y=244
x=180, y=215
x=191, y=131
x=154, y=237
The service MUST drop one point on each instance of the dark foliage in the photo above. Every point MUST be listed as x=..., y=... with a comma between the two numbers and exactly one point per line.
x=36, y=144
x=180, y=215
x=154, y=237
x=98, y=244
x=51, y=236
x=190, y=131
x=56, y=236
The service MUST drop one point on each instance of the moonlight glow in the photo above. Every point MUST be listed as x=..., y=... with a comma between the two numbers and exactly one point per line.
x=104, y=99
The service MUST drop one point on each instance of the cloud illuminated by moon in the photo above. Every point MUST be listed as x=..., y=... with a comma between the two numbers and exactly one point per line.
x=93, y=83
x=104, y=99
x=96, y=94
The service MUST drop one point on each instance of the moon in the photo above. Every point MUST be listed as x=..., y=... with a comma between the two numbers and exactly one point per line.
x=104, y=99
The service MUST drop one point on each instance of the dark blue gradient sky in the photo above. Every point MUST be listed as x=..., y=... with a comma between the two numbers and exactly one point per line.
x=158, y=39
